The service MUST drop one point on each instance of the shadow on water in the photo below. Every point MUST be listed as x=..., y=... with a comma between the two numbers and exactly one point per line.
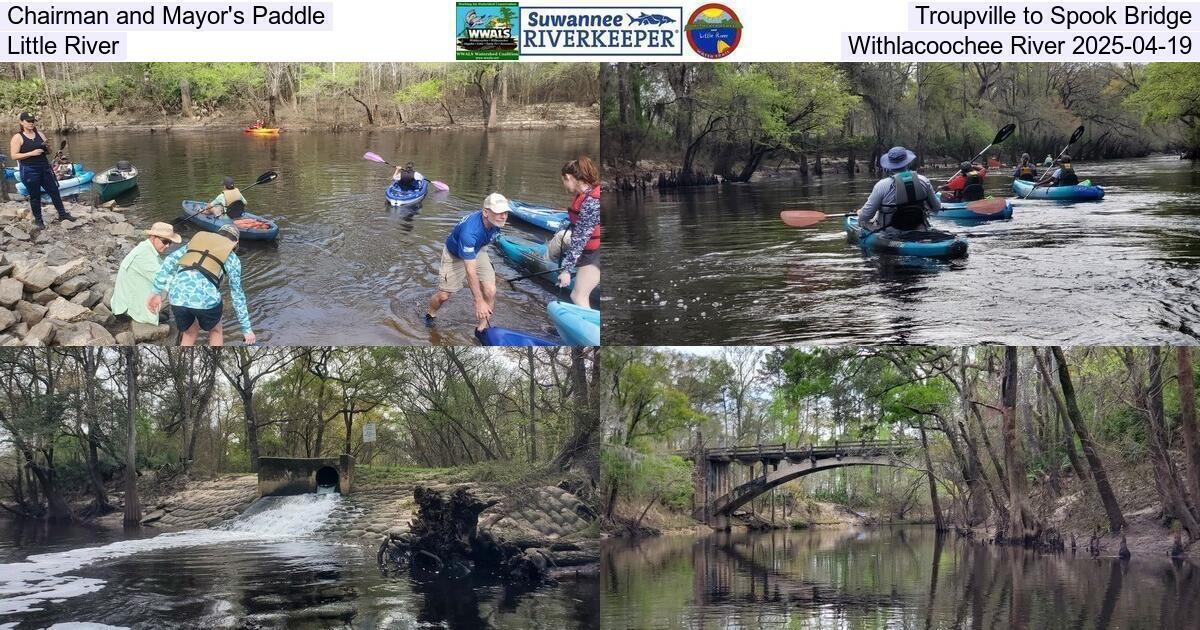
x=877, y=578
x=716, y=266
x=348, y=268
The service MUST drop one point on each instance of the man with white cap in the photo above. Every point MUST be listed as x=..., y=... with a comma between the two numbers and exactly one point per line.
x=465, y=260
x=901, y=201
x=135, y=277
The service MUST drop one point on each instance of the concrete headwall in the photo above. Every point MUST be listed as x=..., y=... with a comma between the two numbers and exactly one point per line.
x=298, y=475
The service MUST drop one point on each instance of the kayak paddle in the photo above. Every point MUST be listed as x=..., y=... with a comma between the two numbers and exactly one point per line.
x=1074, y=138
x=374, y=157
x=534, y=275
x=1001, y=136
x=802, y=218
x=269, y=176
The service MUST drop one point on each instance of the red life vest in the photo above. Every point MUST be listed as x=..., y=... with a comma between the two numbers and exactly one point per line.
x=573, y=216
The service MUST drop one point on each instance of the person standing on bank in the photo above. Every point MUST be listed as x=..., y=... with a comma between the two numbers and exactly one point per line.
x=579, y=243
x=28, y=148
x=465, y=260
x=193, y=276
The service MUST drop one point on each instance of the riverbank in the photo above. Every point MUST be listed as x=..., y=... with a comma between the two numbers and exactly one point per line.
x=657, y=521
x=537, y=116
x=56, y=283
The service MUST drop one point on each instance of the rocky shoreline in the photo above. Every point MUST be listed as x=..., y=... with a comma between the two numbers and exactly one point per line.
x=56, y=283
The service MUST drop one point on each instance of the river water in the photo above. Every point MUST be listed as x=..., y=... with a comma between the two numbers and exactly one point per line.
x=273, y=567
x=347, y=269
x=715, y=265
x=882, y=578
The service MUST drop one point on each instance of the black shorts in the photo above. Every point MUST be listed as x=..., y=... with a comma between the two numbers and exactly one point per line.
x=209, y=318
x=588, y=258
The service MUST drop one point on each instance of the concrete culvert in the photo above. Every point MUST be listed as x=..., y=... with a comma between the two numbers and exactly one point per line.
x=327, y=479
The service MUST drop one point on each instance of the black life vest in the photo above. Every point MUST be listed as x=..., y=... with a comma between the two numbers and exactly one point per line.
x=908, y=211
x=1066, y=175
x=973, y=190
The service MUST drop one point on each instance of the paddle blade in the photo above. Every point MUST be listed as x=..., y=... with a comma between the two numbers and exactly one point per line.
x=373, y=158
x=1077, y=135
x=802, y=218
x=989, y=206
x=1004, y=133
x=62, y=145
x=440, y=185
x=269, y=176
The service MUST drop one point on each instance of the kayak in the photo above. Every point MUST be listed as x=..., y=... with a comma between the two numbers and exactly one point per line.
x=497, y=336
x=116, y=180
x=982, y=210
x=1085, y=191
x=577, y=326
x=263, y=131
x=81, y=177
x=540, y=216
x=530, y=257
x=210, y=223
x=10, y=172
x=398, y=197
x=929, y=244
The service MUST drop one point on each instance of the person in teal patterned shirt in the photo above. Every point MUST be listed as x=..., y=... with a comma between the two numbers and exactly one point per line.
x=192, y=277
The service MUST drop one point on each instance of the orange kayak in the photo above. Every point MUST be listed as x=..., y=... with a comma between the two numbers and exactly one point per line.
x=264, y=131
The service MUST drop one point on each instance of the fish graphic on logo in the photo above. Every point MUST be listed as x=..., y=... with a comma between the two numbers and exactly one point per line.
x=656, y=19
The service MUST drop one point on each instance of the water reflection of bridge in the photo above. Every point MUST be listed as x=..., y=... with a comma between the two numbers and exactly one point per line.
x=777, y=464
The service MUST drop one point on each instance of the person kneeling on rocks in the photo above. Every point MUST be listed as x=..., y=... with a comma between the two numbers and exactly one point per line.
x=193, y=275
x=135, y=277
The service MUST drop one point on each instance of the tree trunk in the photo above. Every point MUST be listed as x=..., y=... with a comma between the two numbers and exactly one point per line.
x=1022, y=523
x=1112, y=509
x=1061, y=412
x=532, y=407
x=492, y=113
x=99, y=493
x=185, y=98
x=938, y=523
x=1187, y=420
x=581, y=451
x=251, y=428
x=133, y=506
x=1150, y=399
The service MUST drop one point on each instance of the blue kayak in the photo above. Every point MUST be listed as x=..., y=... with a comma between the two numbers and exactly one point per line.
x=81, y=177
x=10, y=172
x=577, y=326
x=210, y=223
x=928, y=244
x=398, y=197
x=497, y=336
x=1085, y=191
x=528, y=256
x=540, y=216
x=989, y=209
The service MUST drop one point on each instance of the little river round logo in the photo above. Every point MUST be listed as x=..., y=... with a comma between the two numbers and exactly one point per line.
x=713, y=31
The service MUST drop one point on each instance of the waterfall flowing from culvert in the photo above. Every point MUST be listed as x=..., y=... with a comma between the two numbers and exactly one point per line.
x=41, y=578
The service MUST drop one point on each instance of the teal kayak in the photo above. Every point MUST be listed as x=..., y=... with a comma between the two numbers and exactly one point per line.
x=497, y=336
x=1085, y=191
x=81, y=177
x=577, y=326
x=540, y=216
x=928, y=244
x=989, y=209
x=10, y=172
x=117, y=180
x=530, y=257
x=210, y=223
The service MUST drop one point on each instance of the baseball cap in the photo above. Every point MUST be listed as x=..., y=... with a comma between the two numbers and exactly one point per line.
x=496, y=203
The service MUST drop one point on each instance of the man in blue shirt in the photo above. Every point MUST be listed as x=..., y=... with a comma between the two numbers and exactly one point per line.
x=465, y=260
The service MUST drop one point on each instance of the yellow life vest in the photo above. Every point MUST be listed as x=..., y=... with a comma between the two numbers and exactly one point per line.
x=232, y=196
x=207, y=253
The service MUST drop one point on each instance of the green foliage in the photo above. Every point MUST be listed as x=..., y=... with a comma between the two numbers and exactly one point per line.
x=1170, y=92
x=420, y=92
x=21, y=95
x=644, y=478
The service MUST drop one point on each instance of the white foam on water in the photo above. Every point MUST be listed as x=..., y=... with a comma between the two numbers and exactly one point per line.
x=25, y=586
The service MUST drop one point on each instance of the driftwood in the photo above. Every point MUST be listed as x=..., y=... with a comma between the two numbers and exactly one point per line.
x=445, y=542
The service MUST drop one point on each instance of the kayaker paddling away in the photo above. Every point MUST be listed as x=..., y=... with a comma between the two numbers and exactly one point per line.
x=229, y=201
x=465, y=261
x=902, y=201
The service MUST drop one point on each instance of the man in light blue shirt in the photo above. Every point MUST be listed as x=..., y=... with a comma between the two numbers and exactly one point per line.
x=901, y=201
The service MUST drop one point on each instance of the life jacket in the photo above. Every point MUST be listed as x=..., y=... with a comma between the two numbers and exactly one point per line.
x=1026, y=172
x=573, y=216
x=235, y=203
x=1066, y=175
x=908, y=212
x=207, y=253
x=973, y=189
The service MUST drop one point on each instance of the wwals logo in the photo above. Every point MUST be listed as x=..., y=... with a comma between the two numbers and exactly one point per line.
x=486, y=30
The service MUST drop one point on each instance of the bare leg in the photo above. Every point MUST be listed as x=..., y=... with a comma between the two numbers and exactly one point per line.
x=587, y=278
x=439, y=298
x=216, y=336
x=489, y=296
x=189, y=335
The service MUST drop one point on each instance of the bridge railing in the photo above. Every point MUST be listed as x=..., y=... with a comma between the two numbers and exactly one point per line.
x=793, y=451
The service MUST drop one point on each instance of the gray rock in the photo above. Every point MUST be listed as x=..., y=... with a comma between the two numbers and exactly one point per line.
x=102, y=315
x=30, y=313
x=86, y=299
x=144, y=333
x=71, y=269
x=63, y=310
x=7, y=319
x=44, y=297
x=41, y=334
x=8, y=339
x=74, y=285
x=36, y=276
x=125, y=338
x=41, y=239
x=10, y=291
x=5, y=270
x=121, y=229
x=17, y=233
x=84, y=334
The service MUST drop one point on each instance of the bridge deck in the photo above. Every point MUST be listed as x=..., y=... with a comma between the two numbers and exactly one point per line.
x=780, y=452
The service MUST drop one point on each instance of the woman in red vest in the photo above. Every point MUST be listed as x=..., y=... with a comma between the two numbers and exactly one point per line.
x=582, y=254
